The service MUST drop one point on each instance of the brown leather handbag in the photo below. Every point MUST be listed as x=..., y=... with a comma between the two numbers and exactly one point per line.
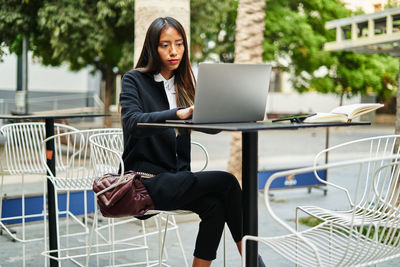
x=120, y=197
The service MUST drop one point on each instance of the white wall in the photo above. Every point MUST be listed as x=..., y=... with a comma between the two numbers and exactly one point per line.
x=42, y=78
x=366, y=5
x=293, y=103
x=8, y=73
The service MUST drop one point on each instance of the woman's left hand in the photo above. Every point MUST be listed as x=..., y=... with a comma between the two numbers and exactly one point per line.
x=185, y=113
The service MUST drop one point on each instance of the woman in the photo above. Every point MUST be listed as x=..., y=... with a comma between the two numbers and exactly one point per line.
x=162, y=88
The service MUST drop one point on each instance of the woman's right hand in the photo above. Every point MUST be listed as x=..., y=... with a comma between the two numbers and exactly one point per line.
x=185, y=113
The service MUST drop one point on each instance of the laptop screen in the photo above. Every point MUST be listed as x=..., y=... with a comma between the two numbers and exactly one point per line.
x=228, y=92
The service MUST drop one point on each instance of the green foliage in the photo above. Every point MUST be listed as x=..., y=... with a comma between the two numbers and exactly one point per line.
x=88, y=33
x=309, y=221
x=294, y=37
x=101, y=34
x=82, y=33
x=392, y=3
x=213, y=30
x=17, y=18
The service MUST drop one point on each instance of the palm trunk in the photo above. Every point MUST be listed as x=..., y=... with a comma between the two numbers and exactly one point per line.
x=397, y=127
x=248, y=49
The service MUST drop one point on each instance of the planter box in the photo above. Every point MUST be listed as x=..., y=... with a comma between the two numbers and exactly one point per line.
x=307, y=180
x=34, y=205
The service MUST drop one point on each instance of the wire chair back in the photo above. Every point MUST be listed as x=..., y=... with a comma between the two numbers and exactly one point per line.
x=72, y=152
x=365, y=233
x=23, y=145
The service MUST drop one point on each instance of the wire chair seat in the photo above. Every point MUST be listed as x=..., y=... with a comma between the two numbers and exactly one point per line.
x=362, y=215
x=330, y=244
x=73, y=184
x=367, y=233
x=367, y=207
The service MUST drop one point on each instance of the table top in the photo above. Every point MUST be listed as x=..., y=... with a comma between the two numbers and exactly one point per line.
x=52, y=116
x=249, y=126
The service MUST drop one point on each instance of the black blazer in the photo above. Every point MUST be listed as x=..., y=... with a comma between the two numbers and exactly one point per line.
x=152, y=150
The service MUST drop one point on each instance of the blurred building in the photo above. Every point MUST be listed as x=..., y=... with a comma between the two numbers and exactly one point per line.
x=49, y=88
x=59, y=88
x=369, y=6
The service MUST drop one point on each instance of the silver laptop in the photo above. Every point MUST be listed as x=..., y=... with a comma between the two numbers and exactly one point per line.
x=229, y=92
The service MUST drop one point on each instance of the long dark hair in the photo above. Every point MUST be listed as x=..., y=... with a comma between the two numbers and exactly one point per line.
x=149, y=60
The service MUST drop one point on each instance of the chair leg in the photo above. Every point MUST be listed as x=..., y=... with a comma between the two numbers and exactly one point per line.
x=93, y=232
x=12, y=234
x=67, y=218
x=45, y=220
x=244, y=239
x=23, y=209
x=165, y=235
x=297, y=229
x=297, y=219
x=160, y=241
x=1, y=201
x=145, y=242
x=113, y=241
x=57, y=226
x=23, y=218
x=224, y=242
x=23, y=254
x=178, y=236
x=94, y=225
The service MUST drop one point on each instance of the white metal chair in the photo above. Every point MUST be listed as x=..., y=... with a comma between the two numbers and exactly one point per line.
x=106, y=154
x=373, y=147
x=22, y=157
x=73, y=175
x=366, y=233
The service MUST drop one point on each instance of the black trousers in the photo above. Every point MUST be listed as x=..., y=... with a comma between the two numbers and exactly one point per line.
x=216, y=197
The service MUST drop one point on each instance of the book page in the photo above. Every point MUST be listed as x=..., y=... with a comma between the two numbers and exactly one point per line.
x=326, y=117
x=356, y=110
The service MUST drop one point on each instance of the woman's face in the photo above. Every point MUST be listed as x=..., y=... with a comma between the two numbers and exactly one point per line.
x=170, y=49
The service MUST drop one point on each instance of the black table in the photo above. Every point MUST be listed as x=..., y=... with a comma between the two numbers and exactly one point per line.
x=249, y=165
x=49, y=124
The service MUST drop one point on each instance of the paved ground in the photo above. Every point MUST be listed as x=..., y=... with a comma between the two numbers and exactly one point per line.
x=277, y=149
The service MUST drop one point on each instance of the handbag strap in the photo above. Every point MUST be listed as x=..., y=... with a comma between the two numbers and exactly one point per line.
x=146, y=175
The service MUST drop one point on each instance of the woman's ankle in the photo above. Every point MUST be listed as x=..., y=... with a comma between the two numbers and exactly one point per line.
x=197, y=262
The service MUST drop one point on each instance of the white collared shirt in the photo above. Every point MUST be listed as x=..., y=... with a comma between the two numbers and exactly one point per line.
x=169, y=86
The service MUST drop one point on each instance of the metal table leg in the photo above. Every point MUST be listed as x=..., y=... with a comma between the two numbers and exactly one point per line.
x=250, y=193
x=53, y=245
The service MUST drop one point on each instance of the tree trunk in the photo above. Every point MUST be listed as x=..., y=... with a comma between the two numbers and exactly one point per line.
x=397, y=130
x=341, y=98
x=397, y=125
x=109, y=78
x=248, y=49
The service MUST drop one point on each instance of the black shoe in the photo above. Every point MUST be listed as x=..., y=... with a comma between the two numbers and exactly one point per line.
x=260, y=261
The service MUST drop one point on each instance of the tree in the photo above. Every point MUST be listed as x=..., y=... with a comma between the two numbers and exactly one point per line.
x=100, y=34
x=212, y=30
x=17, y=18
x=248, y=49
x=91, y=33
x=294, y=37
